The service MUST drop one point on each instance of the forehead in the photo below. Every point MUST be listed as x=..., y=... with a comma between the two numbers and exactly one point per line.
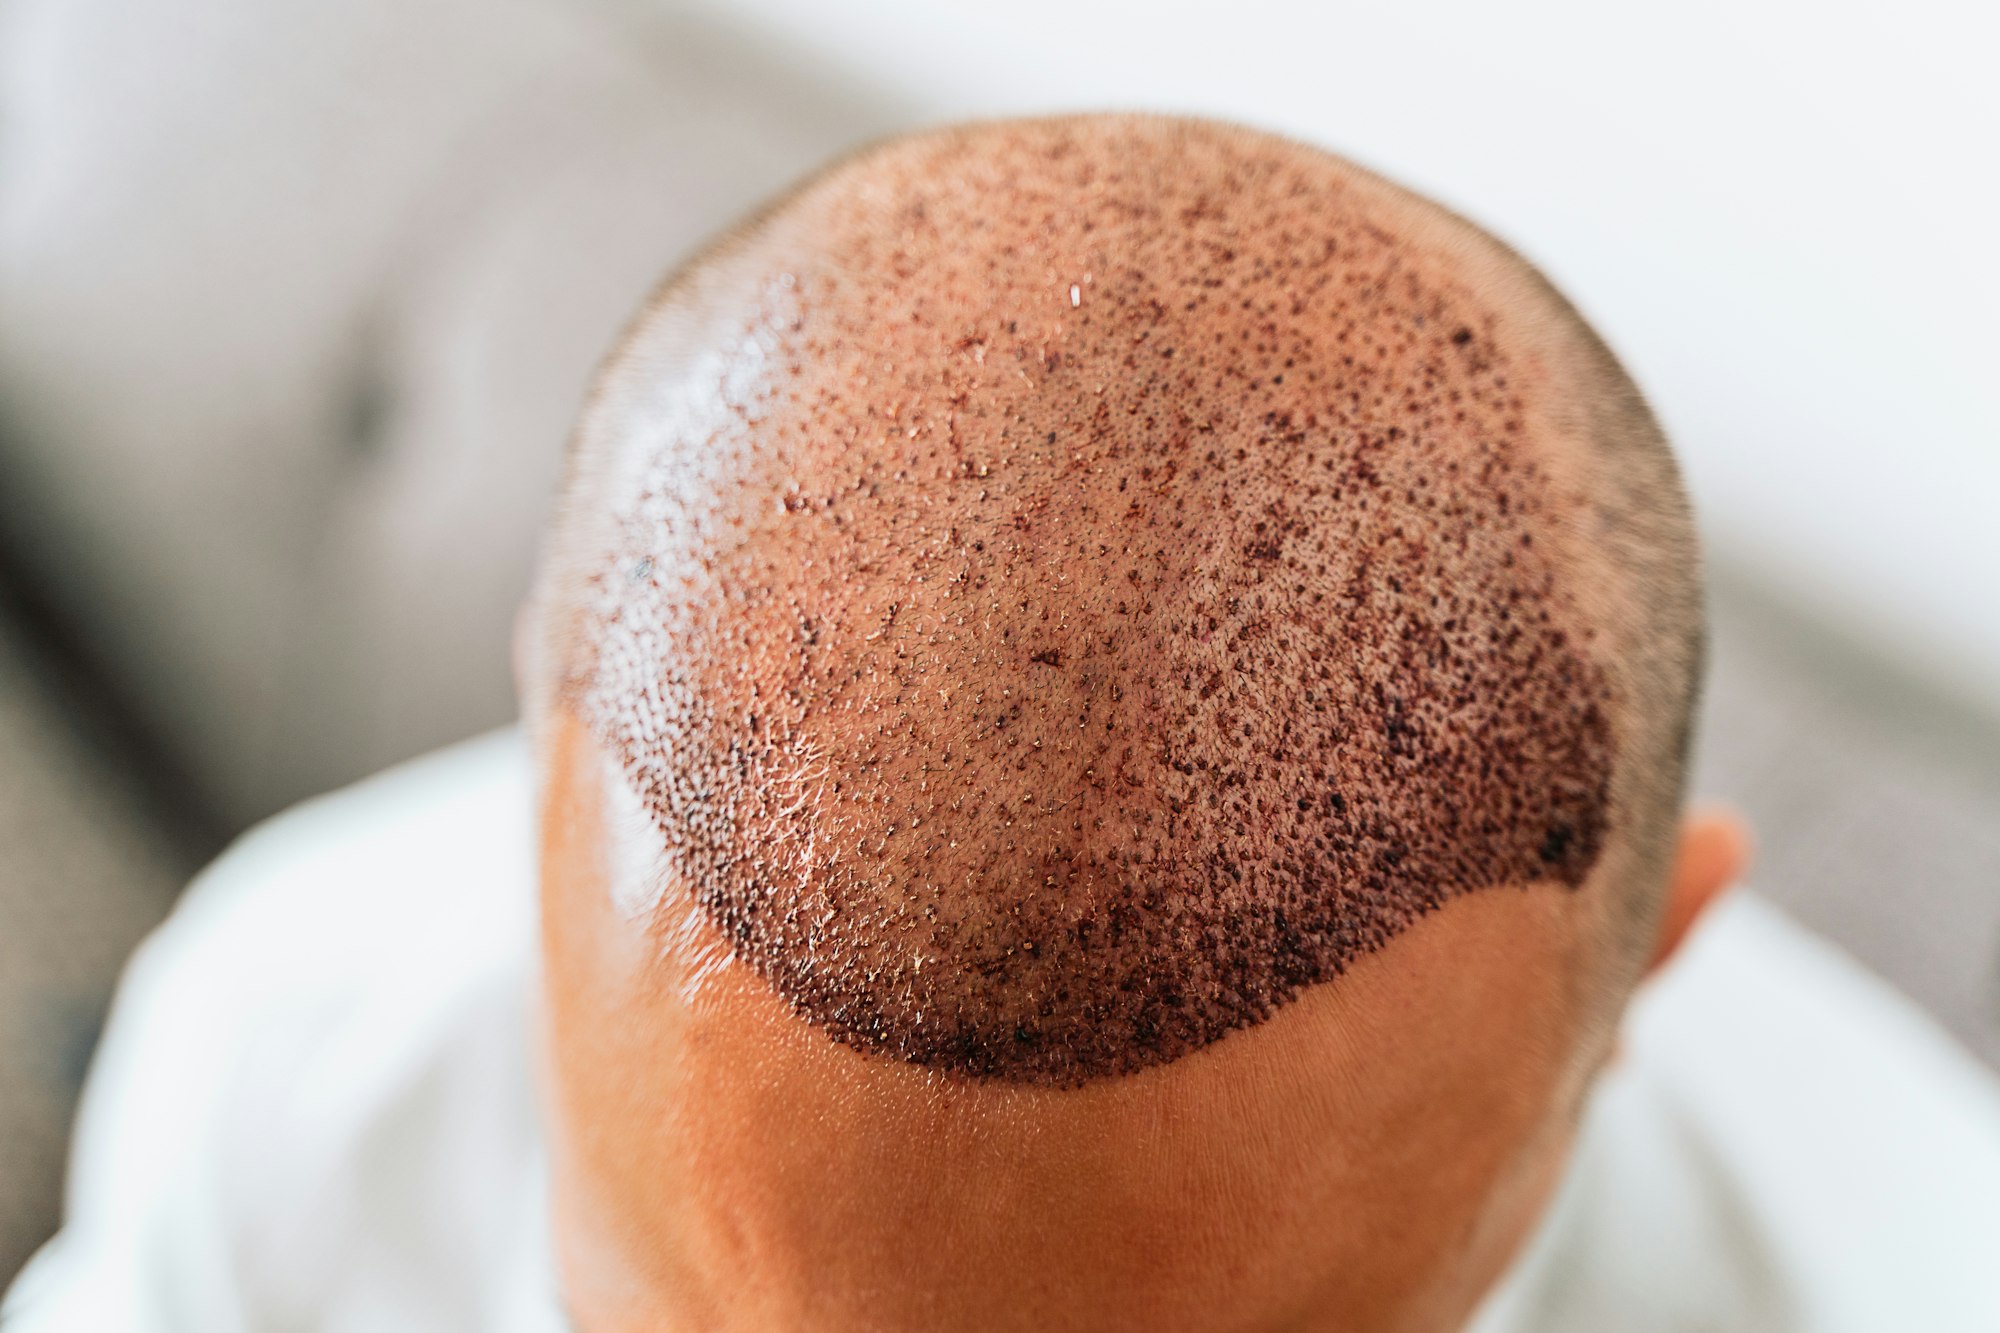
x=1064, y=598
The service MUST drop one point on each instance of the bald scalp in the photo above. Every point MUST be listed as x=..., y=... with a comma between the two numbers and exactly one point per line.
x=1059, y=589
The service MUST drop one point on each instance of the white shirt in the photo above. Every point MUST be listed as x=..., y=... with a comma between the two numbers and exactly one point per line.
x=314, y=1110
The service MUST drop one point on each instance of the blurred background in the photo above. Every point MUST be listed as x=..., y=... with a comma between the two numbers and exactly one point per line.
x=297, y=303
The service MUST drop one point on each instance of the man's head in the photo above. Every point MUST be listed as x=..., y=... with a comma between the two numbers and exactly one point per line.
x=1112, y=696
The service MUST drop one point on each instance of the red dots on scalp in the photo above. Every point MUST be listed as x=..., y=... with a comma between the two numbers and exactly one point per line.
x=1075, y=585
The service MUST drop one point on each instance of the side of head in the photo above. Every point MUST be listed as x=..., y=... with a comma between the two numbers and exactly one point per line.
x=1112, y=696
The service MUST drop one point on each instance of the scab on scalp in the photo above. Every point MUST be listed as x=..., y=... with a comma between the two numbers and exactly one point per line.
x=1128, y=593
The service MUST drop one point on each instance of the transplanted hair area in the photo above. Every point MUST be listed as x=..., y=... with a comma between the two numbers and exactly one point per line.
x=1059, y=589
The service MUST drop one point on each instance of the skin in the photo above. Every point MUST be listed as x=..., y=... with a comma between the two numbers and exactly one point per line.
x=1365, y=1151
x=1370, y=1158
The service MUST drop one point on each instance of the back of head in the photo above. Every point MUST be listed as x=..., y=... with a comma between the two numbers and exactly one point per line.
x=1051, y=596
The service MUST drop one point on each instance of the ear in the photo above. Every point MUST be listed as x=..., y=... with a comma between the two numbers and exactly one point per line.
x=1712, y=854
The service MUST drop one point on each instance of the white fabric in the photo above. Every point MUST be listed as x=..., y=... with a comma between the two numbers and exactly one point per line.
x=314, y=1110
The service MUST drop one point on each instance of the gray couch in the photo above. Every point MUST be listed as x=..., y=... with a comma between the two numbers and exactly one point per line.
x=293, y=324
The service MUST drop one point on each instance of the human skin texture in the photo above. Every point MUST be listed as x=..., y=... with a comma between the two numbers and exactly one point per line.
x=1366, y=1159
x=1130, y=606
x=1081, y=744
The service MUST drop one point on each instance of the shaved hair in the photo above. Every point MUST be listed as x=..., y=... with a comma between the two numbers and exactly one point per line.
x=1059, y=589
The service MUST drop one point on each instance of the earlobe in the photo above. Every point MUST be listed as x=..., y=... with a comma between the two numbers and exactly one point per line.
x=1713, y=853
